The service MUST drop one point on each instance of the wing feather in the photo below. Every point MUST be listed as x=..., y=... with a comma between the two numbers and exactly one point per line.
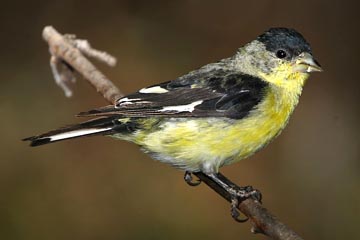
x=203, y=93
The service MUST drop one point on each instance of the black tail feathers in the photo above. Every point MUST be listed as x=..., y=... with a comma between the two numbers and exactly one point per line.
x=97, y=126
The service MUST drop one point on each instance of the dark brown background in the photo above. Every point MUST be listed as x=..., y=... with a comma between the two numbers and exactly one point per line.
x=99, y=188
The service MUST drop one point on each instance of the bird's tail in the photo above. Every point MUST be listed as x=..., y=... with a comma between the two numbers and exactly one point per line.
x=99, y=126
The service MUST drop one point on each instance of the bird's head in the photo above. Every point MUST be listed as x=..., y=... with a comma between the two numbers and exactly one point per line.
x=281, y=56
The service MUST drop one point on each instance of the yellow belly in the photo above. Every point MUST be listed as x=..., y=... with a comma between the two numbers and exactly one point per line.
x=209, y=143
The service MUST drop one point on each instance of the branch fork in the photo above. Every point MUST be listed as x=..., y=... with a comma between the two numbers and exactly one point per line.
x=67, y=54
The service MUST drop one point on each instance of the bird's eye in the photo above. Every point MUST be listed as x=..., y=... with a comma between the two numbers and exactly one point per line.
x=281, y=53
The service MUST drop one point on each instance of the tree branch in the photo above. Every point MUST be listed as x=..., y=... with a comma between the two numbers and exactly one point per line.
x=262, y=220
x=64, y=48
x=67, y=55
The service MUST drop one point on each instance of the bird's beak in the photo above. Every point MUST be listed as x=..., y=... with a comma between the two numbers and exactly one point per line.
x=305, y=63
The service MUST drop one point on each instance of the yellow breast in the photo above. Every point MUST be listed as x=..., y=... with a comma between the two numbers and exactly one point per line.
x=271, y=115
x=263, y=124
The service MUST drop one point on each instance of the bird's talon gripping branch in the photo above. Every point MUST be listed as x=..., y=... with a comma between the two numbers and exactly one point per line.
x=235, y=193
x=239, y=195
x=189, y=179
x=249, y=192
x=257, y=196
x=234, y=212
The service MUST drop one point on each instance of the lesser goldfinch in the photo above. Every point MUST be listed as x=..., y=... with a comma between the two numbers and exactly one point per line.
x=213, y=116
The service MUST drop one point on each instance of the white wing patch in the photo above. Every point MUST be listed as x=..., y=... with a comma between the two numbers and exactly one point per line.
x=156, y=89
x=123, y=100
x=182, y=108
x=76, y=133
x=128, y=100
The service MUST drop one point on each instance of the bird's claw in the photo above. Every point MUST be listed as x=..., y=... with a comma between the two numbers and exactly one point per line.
x=240, y=195
x=235, y=213
x=189, y=179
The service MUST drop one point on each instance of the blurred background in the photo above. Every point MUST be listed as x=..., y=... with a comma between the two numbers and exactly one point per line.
x=100, y=188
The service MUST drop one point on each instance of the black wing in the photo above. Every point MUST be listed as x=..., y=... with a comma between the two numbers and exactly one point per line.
x=202, y=93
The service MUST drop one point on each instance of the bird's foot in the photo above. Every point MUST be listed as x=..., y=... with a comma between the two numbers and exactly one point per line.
x=240, y=194
x=236, y=194
x=189, y=179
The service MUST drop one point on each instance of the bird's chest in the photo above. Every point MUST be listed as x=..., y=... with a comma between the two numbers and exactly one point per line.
x=264, y=123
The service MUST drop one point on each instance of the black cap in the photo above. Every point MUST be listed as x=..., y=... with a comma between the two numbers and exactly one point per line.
x=286, y=39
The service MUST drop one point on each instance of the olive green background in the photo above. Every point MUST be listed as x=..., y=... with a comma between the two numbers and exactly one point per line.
x=100, y=188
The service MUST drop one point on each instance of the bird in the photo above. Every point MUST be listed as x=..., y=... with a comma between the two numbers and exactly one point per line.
x=213, y=116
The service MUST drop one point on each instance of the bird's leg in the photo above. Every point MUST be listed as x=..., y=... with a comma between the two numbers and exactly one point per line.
x=236, y=194
x=189, y=179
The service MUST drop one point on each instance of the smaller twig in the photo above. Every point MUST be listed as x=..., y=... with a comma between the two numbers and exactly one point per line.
x=63, y=75
x=85, y=48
